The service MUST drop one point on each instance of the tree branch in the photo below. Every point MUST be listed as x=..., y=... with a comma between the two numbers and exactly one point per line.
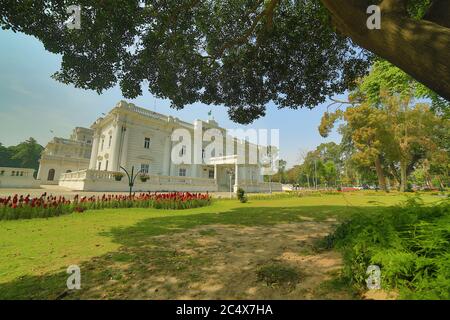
x=420, y=48
x=393, y=6
x=267, y=12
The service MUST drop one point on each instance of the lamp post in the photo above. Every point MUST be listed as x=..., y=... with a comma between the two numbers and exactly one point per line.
x=270, y=184
x=131, y=177
x=230, y=173
x=315, y=174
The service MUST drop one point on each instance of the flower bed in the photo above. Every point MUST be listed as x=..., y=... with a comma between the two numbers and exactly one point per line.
x=26, y=207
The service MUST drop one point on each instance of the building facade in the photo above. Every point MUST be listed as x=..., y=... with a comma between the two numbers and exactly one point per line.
x=65, y=155
x=132, y=137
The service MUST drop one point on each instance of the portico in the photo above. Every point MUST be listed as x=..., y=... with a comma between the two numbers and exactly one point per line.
x=230, y=173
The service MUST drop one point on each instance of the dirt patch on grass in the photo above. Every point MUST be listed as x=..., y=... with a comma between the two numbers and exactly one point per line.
x=380, y=295
x=230, y=262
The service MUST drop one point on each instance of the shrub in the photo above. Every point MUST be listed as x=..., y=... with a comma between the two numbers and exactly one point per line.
x=410, y=243
x=409, y=187
x=241, y=195
x=118, y=176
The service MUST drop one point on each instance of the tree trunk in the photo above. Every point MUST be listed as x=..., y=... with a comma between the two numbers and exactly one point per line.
x=420, y=48
x=403, y=175
x=394, y=172
x=380, y=174
x=441, y=184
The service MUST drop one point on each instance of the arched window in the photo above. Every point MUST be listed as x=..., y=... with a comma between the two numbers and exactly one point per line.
x=51, y=175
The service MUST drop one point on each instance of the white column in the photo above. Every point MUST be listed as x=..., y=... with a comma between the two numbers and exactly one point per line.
x=94, y=153
x=124, y=155
x=260, y=177
x=194, y=170
x=167, y=156
x=236, y=175
x=114, y=153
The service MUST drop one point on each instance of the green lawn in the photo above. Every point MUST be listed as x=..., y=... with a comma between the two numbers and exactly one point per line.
x=34, y=254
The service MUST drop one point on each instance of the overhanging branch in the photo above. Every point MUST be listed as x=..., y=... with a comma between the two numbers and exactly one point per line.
x=267, y=12
x=393, y=6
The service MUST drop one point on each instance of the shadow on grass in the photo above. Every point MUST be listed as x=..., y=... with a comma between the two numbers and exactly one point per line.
x=104, y=277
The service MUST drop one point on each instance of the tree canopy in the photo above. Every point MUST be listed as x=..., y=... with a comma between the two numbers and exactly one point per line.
x=386, y=129
x=238, y=53
x=24, y=155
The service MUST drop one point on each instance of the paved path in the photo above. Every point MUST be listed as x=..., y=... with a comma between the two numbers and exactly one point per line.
x=59, y=191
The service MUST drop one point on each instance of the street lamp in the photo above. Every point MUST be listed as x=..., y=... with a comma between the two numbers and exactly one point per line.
x=131, y=177
x=230, y=173
x=270, y=184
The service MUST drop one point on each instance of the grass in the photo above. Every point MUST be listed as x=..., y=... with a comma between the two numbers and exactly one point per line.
x=34, y=254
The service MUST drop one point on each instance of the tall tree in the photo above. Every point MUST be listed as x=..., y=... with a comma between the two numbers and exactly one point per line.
x=27, y=154
x=394, y=133
x=5, y=156
x=238, y=53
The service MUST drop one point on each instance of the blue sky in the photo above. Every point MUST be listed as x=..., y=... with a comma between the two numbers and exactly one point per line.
x=32, y=103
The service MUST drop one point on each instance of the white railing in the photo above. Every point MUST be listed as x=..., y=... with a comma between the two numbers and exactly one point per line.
x=96, y=175
x=154, y=115
x=252, y=186
x=16, y=172
x=231, y=159
x=146, y=112
x=258, y=183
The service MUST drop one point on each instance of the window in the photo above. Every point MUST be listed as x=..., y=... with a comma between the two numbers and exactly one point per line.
x=145, y=168
x=182, y=172
x=203, y=153
x=147, y=143
x=99, y=165
x=103, y=143
x=183, y=151
x=211, y=174
x=2, y=173
x=51, y=175
x=110, y=141
x=107, y=163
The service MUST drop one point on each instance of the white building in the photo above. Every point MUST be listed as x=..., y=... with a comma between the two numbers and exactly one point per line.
x=65, y=155
x=129, y=136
